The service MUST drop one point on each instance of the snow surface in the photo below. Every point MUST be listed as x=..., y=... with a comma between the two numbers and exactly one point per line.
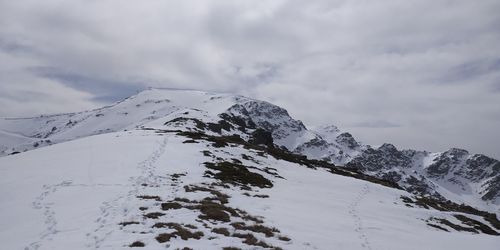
x=73, y=195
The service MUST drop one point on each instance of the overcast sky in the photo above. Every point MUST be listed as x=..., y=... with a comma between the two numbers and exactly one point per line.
x=421, y=74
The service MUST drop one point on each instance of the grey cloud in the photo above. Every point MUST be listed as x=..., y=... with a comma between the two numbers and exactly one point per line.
x=376, y=124
x=104, y=90
x=471, y=70
x=431, y=68
x=14, y=47
x=259, y=73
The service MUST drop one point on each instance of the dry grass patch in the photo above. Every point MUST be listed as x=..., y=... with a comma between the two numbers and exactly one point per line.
x=284, y=238
x=170, y=205
x=250, y=239
x=180, y=232
x=267, y=231
x=126, y=223
x=137, y=244
x=149, y=197
x=237, y=174
x=221, y=230
x=154, y=215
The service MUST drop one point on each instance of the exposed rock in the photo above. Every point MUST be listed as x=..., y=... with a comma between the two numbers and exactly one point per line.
x=262, y=137
x=346, y=139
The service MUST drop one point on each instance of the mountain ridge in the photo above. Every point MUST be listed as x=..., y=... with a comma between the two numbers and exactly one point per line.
x=470, y=179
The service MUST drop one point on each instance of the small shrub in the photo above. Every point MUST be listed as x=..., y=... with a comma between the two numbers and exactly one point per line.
x=170, y=205
x=252, y=218
x=207, y=153
x=222, y=198
x=214, y=212
x=221, y=230
x=181, y=232
x=249, y=239
x=190, y=226
x=186, y=200
x=164, y=237
x=126, y=223
x=261, y=196
x=267, y=231
x=176, y=176
x=284, y=238
x=186, y=234
x=154, y=215
x=149, y=197
x=137, y=244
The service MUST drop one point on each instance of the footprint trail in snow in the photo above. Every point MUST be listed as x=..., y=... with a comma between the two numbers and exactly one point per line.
x=353, y=211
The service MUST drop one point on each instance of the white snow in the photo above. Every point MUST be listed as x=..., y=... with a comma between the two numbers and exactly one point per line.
x=73, y=195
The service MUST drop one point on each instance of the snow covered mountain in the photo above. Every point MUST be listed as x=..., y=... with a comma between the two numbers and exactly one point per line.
x=455, y=174
x=176, y=168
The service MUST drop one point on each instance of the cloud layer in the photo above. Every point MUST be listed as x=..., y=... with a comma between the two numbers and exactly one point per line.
x=422, y=74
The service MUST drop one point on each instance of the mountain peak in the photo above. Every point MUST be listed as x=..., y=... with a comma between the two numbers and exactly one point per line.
x=388, y=147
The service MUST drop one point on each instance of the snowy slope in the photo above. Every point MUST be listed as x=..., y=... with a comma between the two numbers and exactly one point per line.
x=102, y=192
x=470, y=179
x=127, y=114
x=154, y=104
x=11, y=140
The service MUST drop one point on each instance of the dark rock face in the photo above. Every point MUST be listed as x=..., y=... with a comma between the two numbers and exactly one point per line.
x=493, y=190
x=392, y=176
x=420, y=186
x=444, y=163
x=262, y=137
x=314, y=143
x=477, y=167
x=388, y=149
x=242, y=123
x=385, y=157
x=346, y=139
x=269, y=117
